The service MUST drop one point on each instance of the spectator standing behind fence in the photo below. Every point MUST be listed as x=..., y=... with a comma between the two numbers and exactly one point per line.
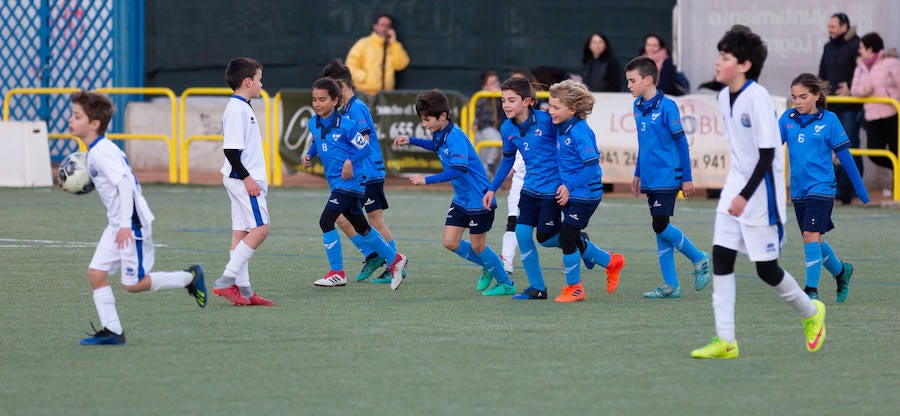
x=600, y=69
x=836, y=67
x=877, y=75
x=656, y=49
x=374, y=59
x=487, y=115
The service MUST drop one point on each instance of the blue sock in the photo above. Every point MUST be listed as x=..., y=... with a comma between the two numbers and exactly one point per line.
x=332, y=241
x=666, y=254
x=830, y=260
x=572, y=267
x=596, y=254
x=813, y=263
x=677, y=239
x=378, y=245
x=494, y=265
x=393, y=244
x=552, y=242
x=465, y=251
x=360, y=242
x=529, y=255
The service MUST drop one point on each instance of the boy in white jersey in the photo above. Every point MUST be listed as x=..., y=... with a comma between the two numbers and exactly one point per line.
x=126, y=242
x=244, y=177
x=751, y=212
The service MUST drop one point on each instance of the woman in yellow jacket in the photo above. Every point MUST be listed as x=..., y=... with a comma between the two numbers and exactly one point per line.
x=374, y=58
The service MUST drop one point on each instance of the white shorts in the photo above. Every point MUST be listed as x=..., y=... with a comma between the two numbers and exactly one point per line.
x=759, y=243
x=247, y=212
x=515, y=188
x=135, y=261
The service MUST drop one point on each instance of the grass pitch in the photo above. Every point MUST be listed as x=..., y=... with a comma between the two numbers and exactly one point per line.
x=435, y=346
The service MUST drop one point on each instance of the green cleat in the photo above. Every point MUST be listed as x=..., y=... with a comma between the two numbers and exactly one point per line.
x=501, y=289
x=812, y=292
x=372, y=263
x=814, y=327
x=484, y=281
x=717, y=349
x=385, y=277
x=701, y=272
x=843, y=282
x=664, y=292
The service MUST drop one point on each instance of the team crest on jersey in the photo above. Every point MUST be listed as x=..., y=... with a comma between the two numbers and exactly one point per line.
x=819, y=127
x=252, y=120
x=568, y=141
x=538, y=132
x=745, y=120
x=335, y=136
x=654, y=116
x=93, y=171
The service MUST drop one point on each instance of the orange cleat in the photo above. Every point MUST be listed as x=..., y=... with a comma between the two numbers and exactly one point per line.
x=257, y=300
x=233, y=294
x=573, y=293
x=616, y=262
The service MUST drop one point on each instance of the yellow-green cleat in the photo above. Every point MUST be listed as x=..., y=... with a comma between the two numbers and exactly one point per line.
x=717, y=349
x=814, y=327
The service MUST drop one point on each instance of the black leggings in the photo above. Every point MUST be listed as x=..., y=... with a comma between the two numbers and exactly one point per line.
x=723, y=263
x=358, y=221
x=882, y=133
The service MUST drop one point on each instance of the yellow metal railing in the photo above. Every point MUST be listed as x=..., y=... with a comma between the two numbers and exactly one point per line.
x=117, y=136
x=43, y=91
x=876, y=152
x=184, y=142
x=276, y=140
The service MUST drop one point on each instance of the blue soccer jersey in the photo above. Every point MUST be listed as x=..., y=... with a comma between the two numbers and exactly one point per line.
x=358, y=112
x=811, y=139
x=660, y=164
x=535, y=140
x=579, y=160
x=336, y=140
x=455, y=151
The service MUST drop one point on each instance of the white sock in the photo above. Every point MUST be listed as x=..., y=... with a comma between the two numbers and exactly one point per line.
x=508, y=252
x=239, y=258
x=106, y=309
x=791, y=293
x=723, y=306
x=169, y=280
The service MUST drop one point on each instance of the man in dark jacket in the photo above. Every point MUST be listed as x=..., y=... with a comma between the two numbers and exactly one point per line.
x=836, y=67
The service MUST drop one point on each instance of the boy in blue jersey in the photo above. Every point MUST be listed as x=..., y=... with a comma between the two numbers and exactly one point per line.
x=581, y=190
x=343, y=150
x=532, y=134
x=374, y=200
x=463, y=169
x=663, y=168
x=812, y=134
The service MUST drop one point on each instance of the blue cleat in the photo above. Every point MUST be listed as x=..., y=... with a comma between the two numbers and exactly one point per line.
x=197, y=286
x=531, y=294
x=103, y=337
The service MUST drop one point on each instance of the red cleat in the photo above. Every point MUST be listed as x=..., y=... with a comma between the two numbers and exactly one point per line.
x=616, y=262
x=257, y=300
x=233, y=294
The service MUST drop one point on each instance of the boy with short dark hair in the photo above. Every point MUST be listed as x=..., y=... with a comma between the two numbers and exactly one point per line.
x=751, y=212
x=126, y=243
x=463, y=169
x=663, y=168
x=244, y=177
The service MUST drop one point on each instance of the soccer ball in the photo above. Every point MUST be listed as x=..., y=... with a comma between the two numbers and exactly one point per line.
x=73, y=174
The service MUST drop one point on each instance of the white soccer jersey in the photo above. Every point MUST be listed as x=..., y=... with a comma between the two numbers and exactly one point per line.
x=108, y=165
x=240, y=129
x=752, y=124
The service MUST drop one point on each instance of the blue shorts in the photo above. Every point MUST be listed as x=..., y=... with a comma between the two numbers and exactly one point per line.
x=344, y=203
x=578, y=213
x=543, y=214
x=374, y=198
x=814, y=215
x=457, y=216
x=662, y=203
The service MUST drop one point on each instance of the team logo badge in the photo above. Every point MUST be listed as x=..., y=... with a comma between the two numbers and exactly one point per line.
x=745, y=120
